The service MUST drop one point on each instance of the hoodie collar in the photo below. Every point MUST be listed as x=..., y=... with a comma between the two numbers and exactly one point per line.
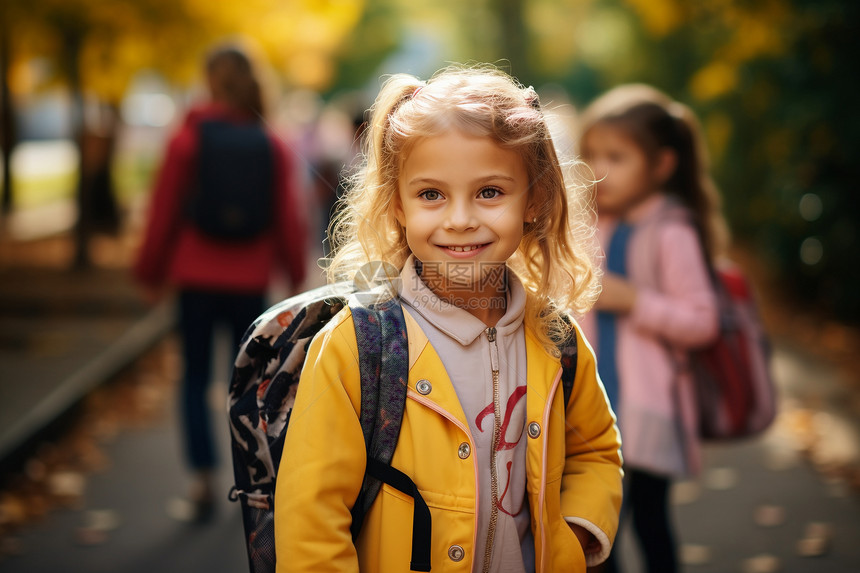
x=455, y=322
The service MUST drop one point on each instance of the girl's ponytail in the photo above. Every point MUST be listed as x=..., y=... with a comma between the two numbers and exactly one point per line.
x=396, y=91
x=365, y=229
x=692, y=181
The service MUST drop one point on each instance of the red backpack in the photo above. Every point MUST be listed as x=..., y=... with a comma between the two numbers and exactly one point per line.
x=735, y=391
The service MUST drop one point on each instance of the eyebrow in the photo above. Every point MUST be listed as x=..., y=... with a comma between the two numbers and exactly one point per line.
x=481, y=180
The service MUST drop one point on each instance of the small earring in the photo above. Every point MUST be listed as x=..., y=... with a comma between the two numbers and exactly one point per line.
x=534, y=219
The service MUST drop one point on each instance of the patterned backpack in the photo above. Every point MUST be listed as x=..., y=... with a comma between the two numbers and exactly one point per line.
x=263, y=389
x=262, y=393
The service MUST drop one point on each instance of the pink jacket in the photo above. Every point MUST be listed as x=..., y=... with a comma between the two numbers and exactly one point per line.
x=676, y=310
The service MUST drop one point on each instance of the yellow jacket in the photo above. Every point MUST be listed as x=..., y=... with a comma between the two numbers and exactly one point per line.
x=573, y=464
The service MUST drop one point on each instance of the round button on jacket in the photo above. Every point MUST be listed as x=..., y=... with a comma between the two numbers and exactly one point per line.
x=464, y=450
x=423, y=387
x=456, y=553
x=534, y=429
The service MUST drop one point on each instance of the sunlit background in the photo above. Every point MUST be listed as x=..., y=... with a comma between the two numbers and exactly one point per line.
x=774, y=83
x=91, y=89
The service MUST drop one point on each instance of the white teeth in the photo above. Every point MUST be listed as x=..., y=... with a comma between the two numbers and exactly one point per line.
x=464, y=249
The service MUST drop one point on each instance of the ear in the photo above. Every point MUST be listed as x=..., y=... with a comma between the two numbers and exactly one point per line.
x=664, y=167
x=530, y=212
x=397, y=209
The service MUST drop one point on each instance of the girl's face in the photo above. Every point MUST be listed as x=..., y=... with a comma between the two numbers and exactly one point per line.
x=624, y=172
x=463, y=201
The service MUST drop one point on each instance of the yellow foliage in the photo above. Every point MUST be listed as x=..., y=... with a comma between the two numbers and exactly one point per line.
x=121, y=38
x=302, y=37
x=718, y=129
x=556, y=45
x=760, y=29
x=313, y=70
x=108, y=66
x=714, y=80
x=756, y=34
x=659, y=17
x=606, y=41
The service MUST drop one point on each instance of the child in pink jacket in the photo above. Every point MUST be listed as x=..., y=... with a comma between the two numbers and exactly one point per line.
x=658, y=221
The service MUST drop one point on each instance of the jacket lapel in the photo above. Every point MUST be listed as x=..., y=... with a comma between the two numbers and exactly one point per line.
x=425, y=364
x=543, y=373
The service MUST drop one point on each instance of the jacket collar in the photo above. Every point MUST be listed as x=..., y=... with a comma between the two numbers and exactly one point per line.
x=544, y=371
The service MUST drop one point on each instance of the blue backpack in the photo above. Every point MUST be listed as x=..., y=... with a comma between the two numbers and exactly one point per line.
x=233, y=198
x=262, y=393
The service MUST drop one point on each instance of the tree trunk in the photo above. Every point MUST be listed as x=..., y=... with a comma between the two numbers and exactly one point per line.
x=73, y=40
x=514, y=46
x=7, y=117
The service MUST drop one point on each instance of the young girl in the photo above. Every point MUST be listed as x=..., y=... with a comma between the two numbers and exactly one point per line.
x=658, y=221
x=463, y=192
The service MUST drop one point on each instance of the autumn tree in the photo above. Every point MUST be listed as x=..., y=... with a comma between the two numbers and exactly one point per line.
x=97, y=47
x=7, y=134
x=773, y=82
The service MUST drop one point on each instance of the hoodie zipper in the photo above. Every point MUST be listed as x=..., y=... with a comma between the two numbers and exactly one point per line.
x=497, y=430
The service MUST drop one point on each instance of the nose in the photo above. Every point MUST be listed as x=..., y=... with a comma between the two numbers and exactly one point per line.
x=460, y=216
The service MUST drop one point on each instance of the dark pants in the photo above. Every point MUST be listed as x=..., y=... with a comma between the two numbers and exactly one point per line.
x=646, y=500
x=200, y=312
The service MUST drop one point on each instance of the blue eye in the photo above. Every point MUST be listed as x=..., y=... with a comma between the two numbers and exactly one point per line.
x=430, y=195
x=489, y=193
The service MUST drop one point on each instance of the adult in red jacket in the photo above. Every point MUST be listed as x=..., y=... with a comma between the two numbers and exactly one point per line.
x=218, y=280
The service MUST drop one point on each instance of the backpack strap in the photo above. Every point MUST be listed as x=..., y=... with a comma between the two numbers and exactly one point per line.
x=421, y=522
x=569, y=353
x=383, y=356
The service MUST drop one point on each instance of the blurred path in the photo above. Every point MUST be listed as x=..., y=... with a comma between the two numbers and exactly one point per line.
x=111, y=510
x=62, y=334
x=784, y=501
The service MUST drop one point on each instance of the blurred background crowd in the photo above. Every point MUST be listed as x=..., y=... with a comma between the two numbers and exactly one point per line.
x=91, y=89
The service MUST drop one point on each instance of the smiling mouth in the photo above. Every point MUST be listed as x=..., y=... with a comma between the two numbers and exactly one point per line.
x=465, y=248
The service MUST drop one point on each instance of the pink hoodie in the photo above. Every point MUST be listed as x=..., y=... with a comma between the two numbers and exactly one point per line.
x=676, y=309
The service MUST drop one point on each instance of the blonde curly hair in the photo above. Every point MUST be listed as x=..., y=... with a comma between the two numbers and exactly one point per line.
x=556, y=257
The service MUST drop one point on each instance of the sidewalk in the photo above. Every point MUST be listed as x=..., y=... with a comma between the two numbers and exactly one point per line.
x=62, y=334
